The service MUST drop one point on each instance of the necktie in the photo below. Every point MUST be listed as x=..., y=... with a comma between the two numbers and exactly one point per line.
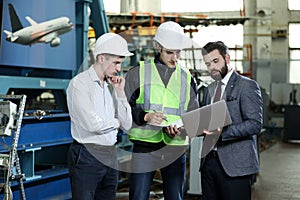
x=218, y=92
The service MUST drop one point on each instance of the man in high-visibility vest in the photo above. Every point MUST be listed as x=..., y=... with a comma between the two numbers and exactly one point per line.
x=159, y=91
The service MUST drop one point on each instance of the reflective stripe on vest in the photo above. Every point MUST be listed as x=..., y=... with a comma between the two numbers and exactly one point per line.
x=171, y=100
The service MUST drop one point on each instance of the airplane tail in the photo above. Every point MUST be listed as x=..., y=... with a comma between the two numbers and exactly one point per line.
x=14, y=19
x=10, y=36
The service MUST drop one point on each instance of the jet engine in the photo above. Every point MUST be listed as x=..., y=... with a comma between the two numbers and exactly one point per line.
x=55, y=42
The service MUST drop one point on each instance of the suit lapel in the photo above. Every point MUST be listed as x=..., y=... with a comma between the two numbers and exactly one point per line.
x=231, y=84
x=228, y=90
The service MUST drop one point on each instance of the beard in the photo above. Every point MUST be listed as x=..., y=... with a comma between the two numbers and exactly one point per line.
x=222, y=73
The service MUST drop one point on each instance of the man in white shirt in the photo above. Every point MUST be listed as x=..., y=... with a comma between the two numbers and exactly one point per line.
x=98, y=108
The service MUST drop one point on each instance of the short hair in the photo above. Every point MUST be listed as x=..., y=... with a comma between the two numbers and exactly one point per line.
x=219, y=45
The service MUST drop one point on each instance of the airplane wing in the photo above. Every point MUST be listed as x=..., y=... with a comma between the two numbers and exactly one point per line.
x=31, y=21
x=10, y=36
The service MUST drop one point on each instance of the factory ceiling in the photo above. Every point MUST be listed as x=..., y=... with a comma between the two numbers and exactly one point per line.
x=136, y=19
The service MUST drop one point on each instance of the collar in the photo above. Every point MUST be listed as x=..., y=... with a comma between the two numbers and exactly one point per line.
x=94, y=76
x=158, y=61
x=227, y=77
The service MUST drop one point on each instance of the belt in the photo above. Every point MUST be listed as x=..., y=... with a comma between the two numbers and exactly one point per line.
x=212, y=154
x=90, y=145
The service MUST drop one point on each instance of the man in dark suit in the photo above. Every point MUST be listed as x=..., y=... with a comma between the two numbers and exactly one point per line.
x=227, y=170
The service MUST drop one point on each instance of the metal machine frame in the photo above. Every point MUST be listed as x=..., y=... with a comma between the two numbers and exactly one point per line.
x=13, y=159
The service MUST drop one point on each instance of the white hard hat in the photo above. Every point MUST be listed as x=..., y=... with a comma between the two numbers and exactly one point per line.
x=171, y=36
x=111, y=43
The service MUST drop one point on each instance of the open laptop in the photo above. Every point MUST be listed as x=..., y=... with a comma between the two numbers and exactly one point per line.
x=209, y=117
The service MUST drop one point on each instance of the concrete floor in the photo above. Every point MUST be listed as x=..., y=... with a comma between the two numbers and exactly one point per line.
x=279, y=177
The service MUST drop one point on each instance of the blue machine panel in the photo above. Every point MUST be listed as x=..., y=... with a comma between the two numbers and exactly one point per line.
x=47, y=189
x=39, y=55
x=42, y=134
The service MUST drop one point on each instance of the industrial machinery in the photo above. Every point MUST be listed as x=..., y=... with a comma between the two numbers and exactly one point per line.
x=11, y=121
x=41, y=72
x=7, y=111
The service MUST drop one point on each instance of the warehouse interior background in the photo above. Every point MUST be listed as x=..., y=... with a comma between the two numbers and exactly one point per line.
x=263, y=37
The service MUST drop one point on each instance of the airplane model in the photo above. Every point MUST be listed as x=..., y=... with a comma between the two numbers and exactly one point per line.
x=45, y=32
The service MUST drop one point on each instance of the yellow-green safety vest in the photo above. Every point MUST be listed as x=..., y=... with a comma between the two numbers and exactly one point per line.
x=154, y=96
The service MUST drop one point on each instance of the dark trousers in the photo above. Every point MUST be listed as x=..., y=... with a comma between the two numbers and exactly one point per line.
x=90, y=177
x=173, y=177
x=217, y=185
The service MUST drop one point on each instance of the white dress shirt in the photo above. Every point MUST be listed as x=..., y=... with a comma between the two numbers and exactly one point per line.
x=225, y=81
x=92, y=110
x=223, y=86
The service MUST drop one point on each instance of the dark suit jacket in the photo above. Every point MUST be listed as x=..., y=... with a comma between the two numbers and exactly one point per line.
x=237, y=149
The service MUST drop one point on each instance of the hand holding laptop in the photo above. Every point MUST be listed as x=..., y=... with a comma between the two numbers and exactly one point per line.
x=207, y=118
x=217, y=131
